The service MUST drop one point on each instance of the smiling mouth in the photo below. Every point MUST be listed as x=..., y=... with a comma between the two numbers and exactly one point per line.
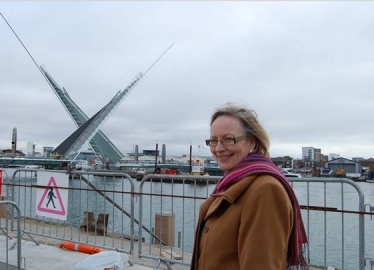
x=224, y=156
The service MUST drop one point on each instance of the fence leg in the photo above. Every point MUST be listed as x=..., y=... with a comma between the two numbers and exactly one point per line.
x=15, y=243
x=159, y=261
x=5, y=233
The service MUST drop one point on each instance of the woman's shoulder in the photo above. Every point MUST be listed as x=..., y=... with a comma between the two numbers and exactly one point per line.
x=266, y=188
x=267, y=183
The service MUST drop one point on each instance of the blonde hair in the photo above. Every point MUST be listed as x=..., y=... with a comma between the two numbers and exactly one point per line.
x=248, y=119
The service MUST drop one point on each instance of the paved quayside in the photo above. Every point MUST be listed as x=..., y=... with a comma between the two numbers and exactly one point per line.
x=45, y=257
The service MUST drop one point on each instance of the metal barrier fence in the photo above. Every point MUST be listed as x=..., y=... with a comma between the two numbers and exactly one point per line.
x=107, y=196
x=169, y=204
x=5, y=229
x=333, y=211
x=165, y=210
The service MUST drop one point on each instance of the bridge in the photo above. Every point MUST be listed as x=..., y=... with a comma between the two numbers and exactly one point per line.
x=8, y=162
x=88, y=128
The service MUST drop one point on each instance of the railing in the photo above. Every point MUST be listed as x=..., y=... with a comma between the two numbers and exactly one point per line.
x=91, y=195
x=333, y=211
x=160, y=218
x=5, y=229
x=169, y=204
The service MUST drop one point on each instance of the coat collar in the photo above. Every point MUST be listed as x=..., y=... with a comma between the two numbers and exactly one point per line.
x=215, y=201
x=236, y=190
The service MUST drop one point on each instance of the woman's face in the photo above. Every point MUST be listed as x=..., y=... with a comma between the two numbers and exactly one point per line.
x=228, y=156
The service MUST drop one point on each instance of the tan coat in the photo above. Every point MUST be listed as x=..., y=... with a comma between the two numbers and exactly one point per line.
x=246, y=227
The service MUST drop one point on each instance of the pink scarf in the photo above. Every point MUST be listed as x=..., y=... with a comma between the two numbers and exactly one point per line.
x=259, y=164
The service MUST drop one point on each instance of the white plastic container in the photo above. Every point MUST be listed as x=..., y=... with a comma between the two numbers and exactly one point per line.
x=103, y=260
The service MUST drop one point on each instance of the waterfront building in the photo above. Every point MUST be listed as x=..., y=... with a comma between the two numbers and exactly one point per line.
x=311, y=153
x=343, y=167
x=47, y=150
x=30, y=150
x=313, y=159
x=10, y=153
x=87, y=155
x=368, y=167
x=283, y=162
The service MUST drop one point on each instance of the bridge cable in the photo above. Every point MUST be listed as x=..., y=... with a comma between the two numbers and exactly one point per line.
x=154, y=63
x=22, y=44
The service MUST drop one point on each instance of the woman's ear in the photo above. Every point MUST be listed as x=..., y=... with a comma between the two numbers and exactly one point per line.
x=253, y=145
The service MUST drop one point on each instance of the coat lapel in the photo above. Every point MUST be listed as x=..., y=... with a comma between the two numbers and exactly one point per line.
x=215, y=201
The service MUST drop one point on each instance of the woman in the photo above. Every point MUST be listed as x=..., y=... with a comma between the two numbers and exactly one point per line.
x=252, y=219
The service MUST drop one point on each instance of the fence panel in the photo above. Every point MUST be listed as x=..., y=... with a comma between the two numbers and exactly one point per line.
x=333, y=211
x=100, y=209
x=168, y=208
x=334, y=215
x=7, y=260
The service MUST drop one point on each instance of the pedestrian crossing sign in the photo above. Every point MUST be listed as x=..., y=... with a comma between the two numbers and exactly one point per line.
x=52, y=194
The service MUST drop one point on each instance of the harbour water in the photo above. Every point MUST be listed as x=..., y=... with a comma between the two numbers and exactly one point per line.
x=325, y=228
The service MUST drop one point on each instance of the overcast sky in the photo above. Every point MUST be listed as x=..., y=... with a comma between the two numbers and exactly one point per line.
x=306, y=68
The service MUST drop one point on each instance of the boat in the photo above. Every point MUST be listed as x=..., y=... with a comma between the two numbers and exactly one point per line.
x=326, y=172
x=81, y=165
x=198, y=167
x=32, y=167
x=290, y=174
x=179, y=180
x=138, y=174
x=193, y=181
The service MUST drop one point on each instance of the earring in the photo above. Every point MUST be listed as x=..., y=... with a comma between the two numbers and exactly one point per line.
x=252, y=149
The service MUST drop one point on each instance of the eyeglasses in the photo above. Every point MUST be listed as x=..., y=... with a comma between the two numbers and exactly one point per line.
x=225, y=141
